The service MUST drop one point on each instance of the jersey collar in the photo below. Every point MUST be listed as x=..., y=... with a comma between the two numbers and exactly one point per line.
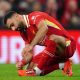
x=26, y=19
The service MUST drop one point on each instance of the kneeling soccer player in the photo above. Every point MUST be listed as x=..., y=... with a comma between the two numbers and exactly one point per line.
x=38, y=28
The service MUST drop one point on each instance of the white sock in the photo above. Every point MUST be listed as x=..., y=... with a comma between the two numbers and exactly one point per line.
x=37, y=70
x=61, y=66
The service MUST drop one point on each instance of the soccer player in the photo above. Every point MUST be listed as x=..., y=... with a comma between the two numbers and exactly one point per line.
x=42, y=29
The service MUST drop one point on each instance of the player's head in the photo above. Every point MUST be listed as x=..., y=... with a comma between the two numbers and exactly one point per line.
x=12, y=20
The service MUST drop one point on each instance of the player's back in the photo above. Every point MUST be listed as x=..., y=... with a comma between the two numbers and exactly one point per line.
x=36, y=17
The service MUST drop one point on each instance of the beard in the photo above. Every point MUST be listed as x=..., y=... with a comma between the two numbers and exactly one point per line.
x=21, y=27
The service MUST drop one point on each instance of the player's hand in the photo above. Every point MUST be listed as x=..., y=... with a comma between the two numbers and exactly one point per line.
x=19, y=65
x=28, y=48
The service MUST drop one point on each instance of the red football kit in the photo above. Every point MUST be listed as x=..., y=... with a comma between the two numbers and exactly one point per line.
x=47, y=56
x=53, y=26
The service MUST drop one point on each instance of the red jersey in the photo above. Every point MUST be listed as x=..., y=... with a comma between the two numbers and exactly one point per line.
x=33, y=19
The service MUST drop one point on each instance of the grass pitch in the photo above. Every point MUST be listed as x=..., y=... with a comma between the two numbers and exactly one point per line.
x=9, y=72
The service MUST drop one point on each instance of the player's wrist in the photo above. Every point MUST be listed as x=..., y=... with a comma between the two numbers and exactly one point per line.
x=23, y=62
x=31, y=46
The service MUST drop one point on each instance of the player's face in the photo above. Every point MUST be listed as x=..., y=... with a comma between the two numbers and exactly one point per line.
x=14, y=23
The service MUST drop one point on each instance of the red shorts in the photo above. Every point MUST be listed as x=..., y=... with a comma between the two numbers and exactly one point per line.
x=69, y=51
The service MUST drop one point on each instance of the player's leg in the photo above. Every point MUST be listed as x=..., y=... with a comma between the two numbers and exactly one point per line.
x=67, y=63
x=56, y=60
x=69, y=51
x=49, y=67
x=52, y=64
x=50, y=51
x=64, y=66
x=47, y=54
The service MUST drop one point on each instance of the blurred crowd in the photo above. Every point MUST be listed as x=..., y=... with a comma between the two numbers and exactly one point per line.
x=67, y=12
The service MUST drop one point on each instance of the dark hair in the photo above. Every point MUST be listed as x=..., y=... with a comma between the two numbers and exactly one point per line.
x=7, y=16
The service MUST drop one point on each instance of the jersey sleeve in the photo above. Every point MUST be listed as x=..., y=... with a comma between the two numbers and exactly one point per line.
x=36, y=19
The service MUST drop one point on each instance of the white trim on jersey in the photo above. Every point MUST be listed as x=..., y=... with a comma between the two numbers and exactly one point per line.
x=26, y=19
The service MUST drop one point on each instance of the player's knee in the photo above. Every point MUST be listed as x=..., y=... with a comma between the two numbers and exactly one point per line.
x=54, y=38
x=71, y=53
x=72, y=49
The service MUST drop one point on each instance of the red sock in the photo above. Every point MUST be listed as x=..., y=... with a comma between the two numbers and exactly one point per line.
x=48, y=69
x=47, y=54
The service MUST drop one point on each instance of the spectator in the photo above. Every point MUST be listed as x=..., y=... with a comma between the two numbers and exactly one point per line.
x=42, y=2
x=36, y=6
x=78, y=11
x=23, y=6
x=15, y=5
x=51, y=8
x=30, y=5
x=69, y=12
x=66, y=11
x=60, y=8
x=4, y=7
x=11, y=1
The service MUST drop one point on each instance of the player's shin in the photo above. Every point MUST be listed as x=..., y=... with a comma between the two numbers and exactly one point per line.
x=50, y=68
x=47, y=54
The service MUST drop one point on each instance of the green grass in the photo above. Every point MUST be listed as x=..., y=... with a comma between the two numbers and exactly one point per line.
x=9, y=72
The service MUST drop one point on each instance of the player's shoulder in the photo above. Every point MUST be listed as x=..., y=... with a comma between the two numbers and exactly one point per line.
x=37, y=13
x=36, y=16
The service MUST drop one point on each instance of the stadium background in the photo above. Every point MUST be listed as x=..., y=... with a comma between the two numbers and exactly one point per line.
x=67, y=12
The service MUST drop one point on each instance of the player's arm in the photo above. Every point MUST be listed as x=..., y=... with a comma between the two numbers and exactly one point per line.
x=42, y=30
x=25, y=60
